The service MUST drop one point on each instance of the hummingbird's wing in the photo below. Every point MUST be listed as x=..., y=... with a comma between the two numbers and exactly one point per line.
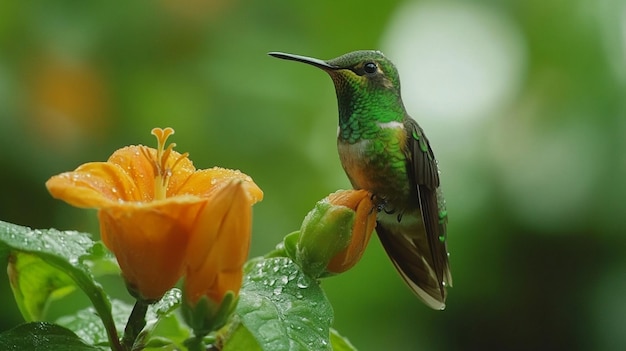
x=418, y=247
x=426, y=175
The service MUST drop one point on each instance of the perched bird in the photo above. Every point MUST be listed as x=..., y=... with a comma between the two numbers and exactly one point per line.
x=383, y=150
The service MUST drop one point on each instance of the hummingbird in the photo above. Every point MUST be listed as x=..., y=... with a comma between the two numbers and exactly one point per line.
x=384, y=151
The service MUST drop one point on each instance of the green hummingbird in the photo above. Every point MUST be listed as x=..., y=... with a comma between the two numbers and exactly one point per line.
x=383, y=150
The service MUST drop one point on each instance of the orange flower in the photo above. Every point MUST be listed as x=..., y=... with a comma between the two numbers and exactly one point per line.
x=151, y=203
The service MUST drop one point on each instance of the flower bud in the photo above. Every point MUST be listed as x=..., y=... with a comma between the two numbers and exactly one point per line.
x=335, y=233
x=216, y=255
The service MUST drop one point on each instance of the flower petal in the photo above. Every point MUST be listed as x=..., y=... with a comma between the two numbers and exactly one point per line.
x=137, y=167
x=203, y=182
x=93, y=185
x=150, y=241
x=365, y=221
x=220, y=245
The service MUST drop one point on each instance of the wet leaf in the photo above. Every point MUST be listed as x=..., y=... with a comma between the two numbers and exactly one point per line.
x=159, y=321
x=241, y=339
x=283, y=308
x=87, y=325
x=42, y=336
x=67, y=253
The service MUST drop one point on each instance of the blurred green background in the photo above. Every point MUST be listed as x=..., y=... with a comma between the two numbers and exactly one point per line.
x=522, y=100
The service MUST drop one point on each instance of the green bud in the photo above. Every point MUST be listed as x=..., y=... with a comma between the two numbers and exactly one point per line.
x=206, y=315
x=326, y=231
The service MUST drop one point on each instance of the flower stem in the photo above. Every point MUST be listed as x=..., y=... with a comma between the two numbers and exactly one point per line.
x=136, y=323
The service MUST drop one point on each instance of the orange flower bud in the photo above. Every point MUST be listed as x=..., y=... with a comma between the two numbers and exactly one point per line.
x=216, y=254
x=335, y=233
x=219, y=247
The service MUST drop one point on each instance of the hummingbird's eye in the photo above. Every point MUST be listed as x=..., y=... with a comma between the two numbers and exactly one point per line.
x=370, y=67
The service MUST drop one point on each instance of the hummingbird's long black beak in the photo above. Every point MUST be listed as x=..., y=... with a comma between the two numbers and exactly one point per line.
x=310, y=60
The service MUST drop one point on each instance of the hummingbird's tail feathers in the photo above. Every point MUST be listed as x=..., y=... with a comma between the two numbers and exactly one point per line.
x=407, y=248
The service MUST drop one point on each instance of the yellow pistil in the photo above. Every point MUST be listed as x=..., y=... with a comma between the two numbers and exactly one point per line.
x=162, y=173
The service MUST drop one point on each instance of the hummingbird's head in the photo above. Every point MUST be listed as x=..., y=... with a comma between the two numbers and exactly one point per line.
x=356, y=73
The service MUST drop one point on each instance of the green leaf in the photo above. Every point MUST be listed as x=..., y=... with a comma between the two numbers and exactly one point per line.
x=283, y=308
x=42, y=336
x=169, y=332
x=162, y=326
x=35, y=283
x=290, y=243
x=241, y=340
x=67, y=252
x=101, y=261
x=340, y=343
x=159, y=321
x=86, y=323
x=286, y=248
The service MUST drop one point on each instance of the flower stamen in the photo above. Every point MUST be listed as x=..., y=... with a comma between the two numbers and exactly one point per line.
x=162, y=173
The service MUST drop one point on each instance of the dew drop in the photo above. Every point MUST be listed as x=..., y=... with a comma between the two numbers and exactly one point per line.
x=284, y=279
x=302, y=282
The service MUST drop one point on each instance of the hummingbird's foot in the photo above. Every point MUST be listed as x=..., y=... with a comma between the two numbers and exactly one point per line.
x=382, y=206
x=389, y=210
x=380, y=203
